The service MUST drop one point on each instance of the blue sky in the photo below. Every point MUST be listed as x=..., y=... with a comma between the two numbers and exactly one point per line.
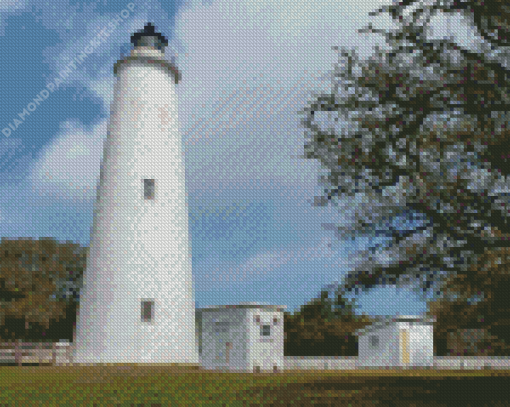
x=247, y=69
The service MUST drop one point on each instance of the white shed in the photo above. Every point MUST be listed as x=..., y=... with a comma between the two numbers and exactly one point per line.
x=247, y=337
x=401, y=341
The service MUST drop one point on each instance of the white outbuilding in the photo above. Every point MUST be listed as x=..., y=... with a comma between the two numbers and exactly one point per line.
x=400, y=341
x=247, y=337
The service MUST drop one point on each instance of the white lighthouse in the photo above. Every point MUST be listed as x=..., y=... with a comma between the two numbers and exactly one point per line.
x=137, y=304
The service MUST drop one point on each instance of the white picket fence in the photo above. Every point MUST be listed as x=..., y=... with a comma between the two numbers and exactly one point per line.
x=60, y=353
x=320, y=363
x=55, y=353
x=471, y=362
x=440, y=362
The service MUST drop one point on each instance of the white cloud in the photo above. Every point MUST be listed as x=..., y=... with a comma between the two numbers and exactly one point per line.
x=68, y=168
x=94, y=72
x=103, y=88
x=264, y=263
x=248, y=68
x=12, y=5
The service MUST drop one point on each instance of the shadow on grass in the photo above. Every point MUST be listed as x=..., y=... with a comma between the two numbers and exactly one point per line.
x=387, y=391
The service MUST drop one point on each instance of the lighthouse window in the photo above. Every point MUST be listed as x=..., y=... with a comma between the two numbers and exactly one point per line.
x=147, y=311
x=374, y=341
x=148, y=188
x=221, y=326
x=265, y=330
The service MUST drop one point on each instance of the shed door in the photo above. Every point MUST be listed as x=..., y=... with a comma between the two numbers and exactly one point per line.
x=404, y=346
x=228, y=346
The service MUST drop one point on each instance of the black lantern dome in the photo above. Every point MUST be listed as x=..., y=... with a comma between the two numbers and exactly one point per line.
x=149, y=38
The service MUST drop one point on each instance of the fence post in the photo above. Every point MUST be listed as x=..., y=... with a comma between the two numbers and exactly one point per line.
x=68, y=354
x=54, y=354
x=17, y=352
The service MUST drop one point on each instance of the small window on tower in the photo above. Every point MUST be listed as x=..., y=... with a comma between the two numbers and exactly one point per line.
x=148, y=188
x=147, y=311
x=374, y=341
x=265, y=330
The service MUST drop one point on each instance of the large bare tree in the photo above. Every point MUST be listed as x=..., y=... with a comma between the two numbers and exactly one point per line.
x=424, y=150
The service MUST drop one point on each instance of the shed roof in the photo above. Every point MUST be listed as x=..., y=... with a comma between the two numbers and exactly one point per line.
x=243, y=305
x=384, y=321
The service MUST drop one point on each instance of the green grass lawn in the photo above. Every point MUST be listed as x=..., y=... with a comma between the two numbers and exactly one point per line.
x=180, y=386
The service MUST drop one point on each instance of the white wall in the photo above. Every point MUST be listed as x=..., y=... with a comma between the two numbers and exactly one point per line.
x=386, y=353
x=219, y=327
x=390, y=352
x=421, y=347
x=266, y=352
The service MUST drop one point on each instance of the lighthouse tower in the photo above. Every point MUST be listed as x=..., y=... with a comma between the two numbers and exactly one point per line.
x=136, y=304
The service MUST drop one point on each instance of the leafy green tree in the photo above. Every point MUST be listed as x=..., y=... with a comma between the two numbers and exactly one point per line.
x=39, y=285
x=320, y=328
x=425, y=152
x=475, y=322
